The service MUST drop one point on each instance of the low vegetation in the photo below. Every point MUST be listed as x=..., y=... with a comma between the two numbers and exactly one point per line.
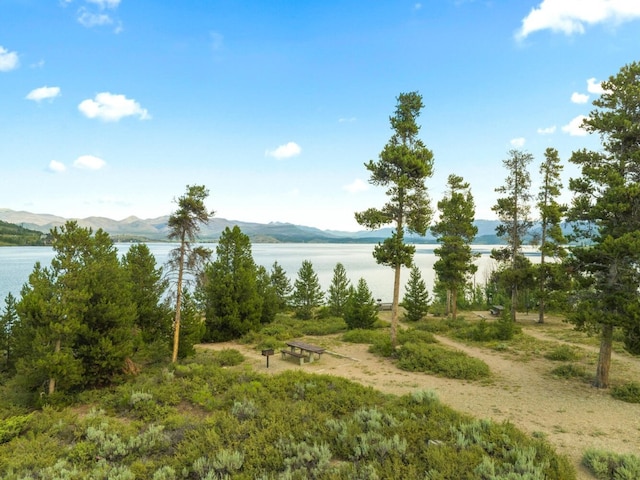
x=612, y=466
x=210, y=417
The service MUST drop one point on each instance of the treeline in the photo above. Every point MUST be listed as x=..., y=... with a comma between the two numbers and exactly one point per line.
x=16, y=235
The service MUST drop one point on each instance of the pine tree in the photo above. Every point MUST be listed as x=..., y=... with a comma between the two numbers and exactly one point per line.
x=605, y=212
x=8, y=319
x=513, y=210
x=361, y=310
x=338, y=290
x=148, y=287
x=455, y=231
x=552, y=240
x=233, y=305
x=307, y=293
x=416, y=297
x=282, y=285
x=403, y=166
x=184, y=225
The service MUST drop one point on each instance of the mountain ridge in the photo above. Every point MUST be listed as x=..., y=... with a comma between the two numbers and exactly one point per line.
x=133, y=228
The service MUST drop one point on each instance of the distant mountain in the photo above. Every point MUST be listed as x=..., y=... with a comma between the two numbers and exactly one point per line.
x=155, y=229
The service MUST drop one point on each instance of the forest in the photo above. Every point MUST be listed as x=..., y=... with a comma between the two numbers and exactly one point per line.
x=103, y=374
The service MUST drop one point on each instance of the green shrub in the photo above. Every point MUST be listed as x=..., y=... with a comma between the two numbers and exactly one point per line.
x=229, y=357
x=415, y=335
x=383, y=347
x=12, y=427
x=438, y=360
x=569, y=370
x=326, y=326
x=563, y=353
x=612, y=466
x=629, y=392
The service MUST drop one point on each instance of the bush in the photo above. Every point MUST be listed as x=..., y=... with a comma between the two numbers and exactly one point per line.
x=563, y=353
x=629, y=392
x=438, y=360
x=361, y=335
x=383, y=347
x=229, y=357
x=569, y=370
x=612, y=466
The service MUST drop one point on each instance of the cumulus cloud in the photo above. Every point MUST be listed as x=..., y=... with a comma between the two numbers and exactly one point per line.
x=8, y=60
x=547, y=130
x=579, y=97
x=287, y=150
x=356, y=186
x=571, y=16
x=594, y=86
x=89, y=162
x=518, y=142
x=43, y=93
x=89, y=19
x=57, y=167
x=574, y=127
x=111, y=108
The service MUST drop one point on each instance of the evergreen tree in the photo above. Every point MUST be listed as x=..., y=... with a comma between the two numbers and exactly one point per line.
x=282, y=285
x=552, y=240
x=76, y=318
x=605, y=212
x=416, y=297
x=455, y=231
x=338, y=290
x=361, y=310
x=233, y=305
x=193, y=328
x=403, y=166
x=8, y=319
x=513, y=210
x=148, y=287
x=269, y=295
x=184, y=225
x=307, y=294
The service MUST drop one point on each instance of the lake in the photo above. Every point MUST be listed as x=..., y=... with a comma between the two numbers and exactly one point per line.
x=16, y=263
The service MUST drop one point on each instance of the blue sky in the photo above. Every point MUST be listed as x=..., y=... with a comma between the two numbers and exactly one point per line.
x=111, y=107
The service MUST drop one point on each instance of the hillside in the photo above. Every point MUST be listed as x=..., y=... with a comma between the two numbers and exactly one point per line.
x=11, y=234
x=155, y=229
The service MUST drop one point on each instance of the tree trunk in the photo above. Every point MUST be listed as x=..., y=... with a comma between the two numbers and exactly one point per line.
x=52, y=381
x=454, y=302
x=514, y=301
x=543, y=290
x=394, y=305
x=176, y=323
x=604, y=357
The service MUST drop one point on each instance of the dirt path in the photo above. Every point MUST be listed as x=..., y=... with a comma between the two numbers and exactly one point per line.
x=572, y=415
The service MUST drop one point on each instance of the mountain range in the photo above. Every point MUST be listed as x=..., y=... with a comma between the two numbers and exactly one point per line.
x=155, y=229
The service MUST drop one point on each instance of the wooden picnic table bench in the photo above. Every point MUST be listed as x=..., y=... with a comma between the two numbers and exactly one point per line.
x=306, y=350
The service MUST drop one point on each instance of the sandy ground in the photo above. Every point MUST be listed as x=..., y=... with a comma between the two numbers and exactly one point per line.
x=570, y=414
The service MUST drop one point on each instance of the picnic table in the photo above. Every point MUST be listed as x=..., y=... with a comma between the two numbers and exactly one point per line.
x=301, y=350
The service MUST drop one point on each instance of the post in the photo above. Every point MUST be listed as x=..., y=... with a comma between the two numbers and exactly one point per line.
x=267, y=353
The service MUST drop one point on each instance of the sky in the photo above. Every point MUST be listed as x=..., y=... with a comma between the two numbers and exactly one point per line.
x=112, y=107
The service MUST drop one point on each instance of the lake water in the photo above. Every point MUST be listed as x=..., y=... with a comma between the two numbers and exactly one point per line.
x=16, y=263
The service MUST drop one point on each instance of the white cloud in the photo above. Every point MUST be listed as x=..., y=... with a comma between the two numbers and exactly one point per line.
x=105, y=3
x=347, y=120
x=56, y=166
x=571, y=16
x=89, y=162
x=579, y=97
x=287, y=150
x=43, y=93
x=594, y=87
x=574, y=127
x=111, y=108
x=547, y=130
x=518, y=142
x=8, y=60
x=88, y=19
x=356, y=186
